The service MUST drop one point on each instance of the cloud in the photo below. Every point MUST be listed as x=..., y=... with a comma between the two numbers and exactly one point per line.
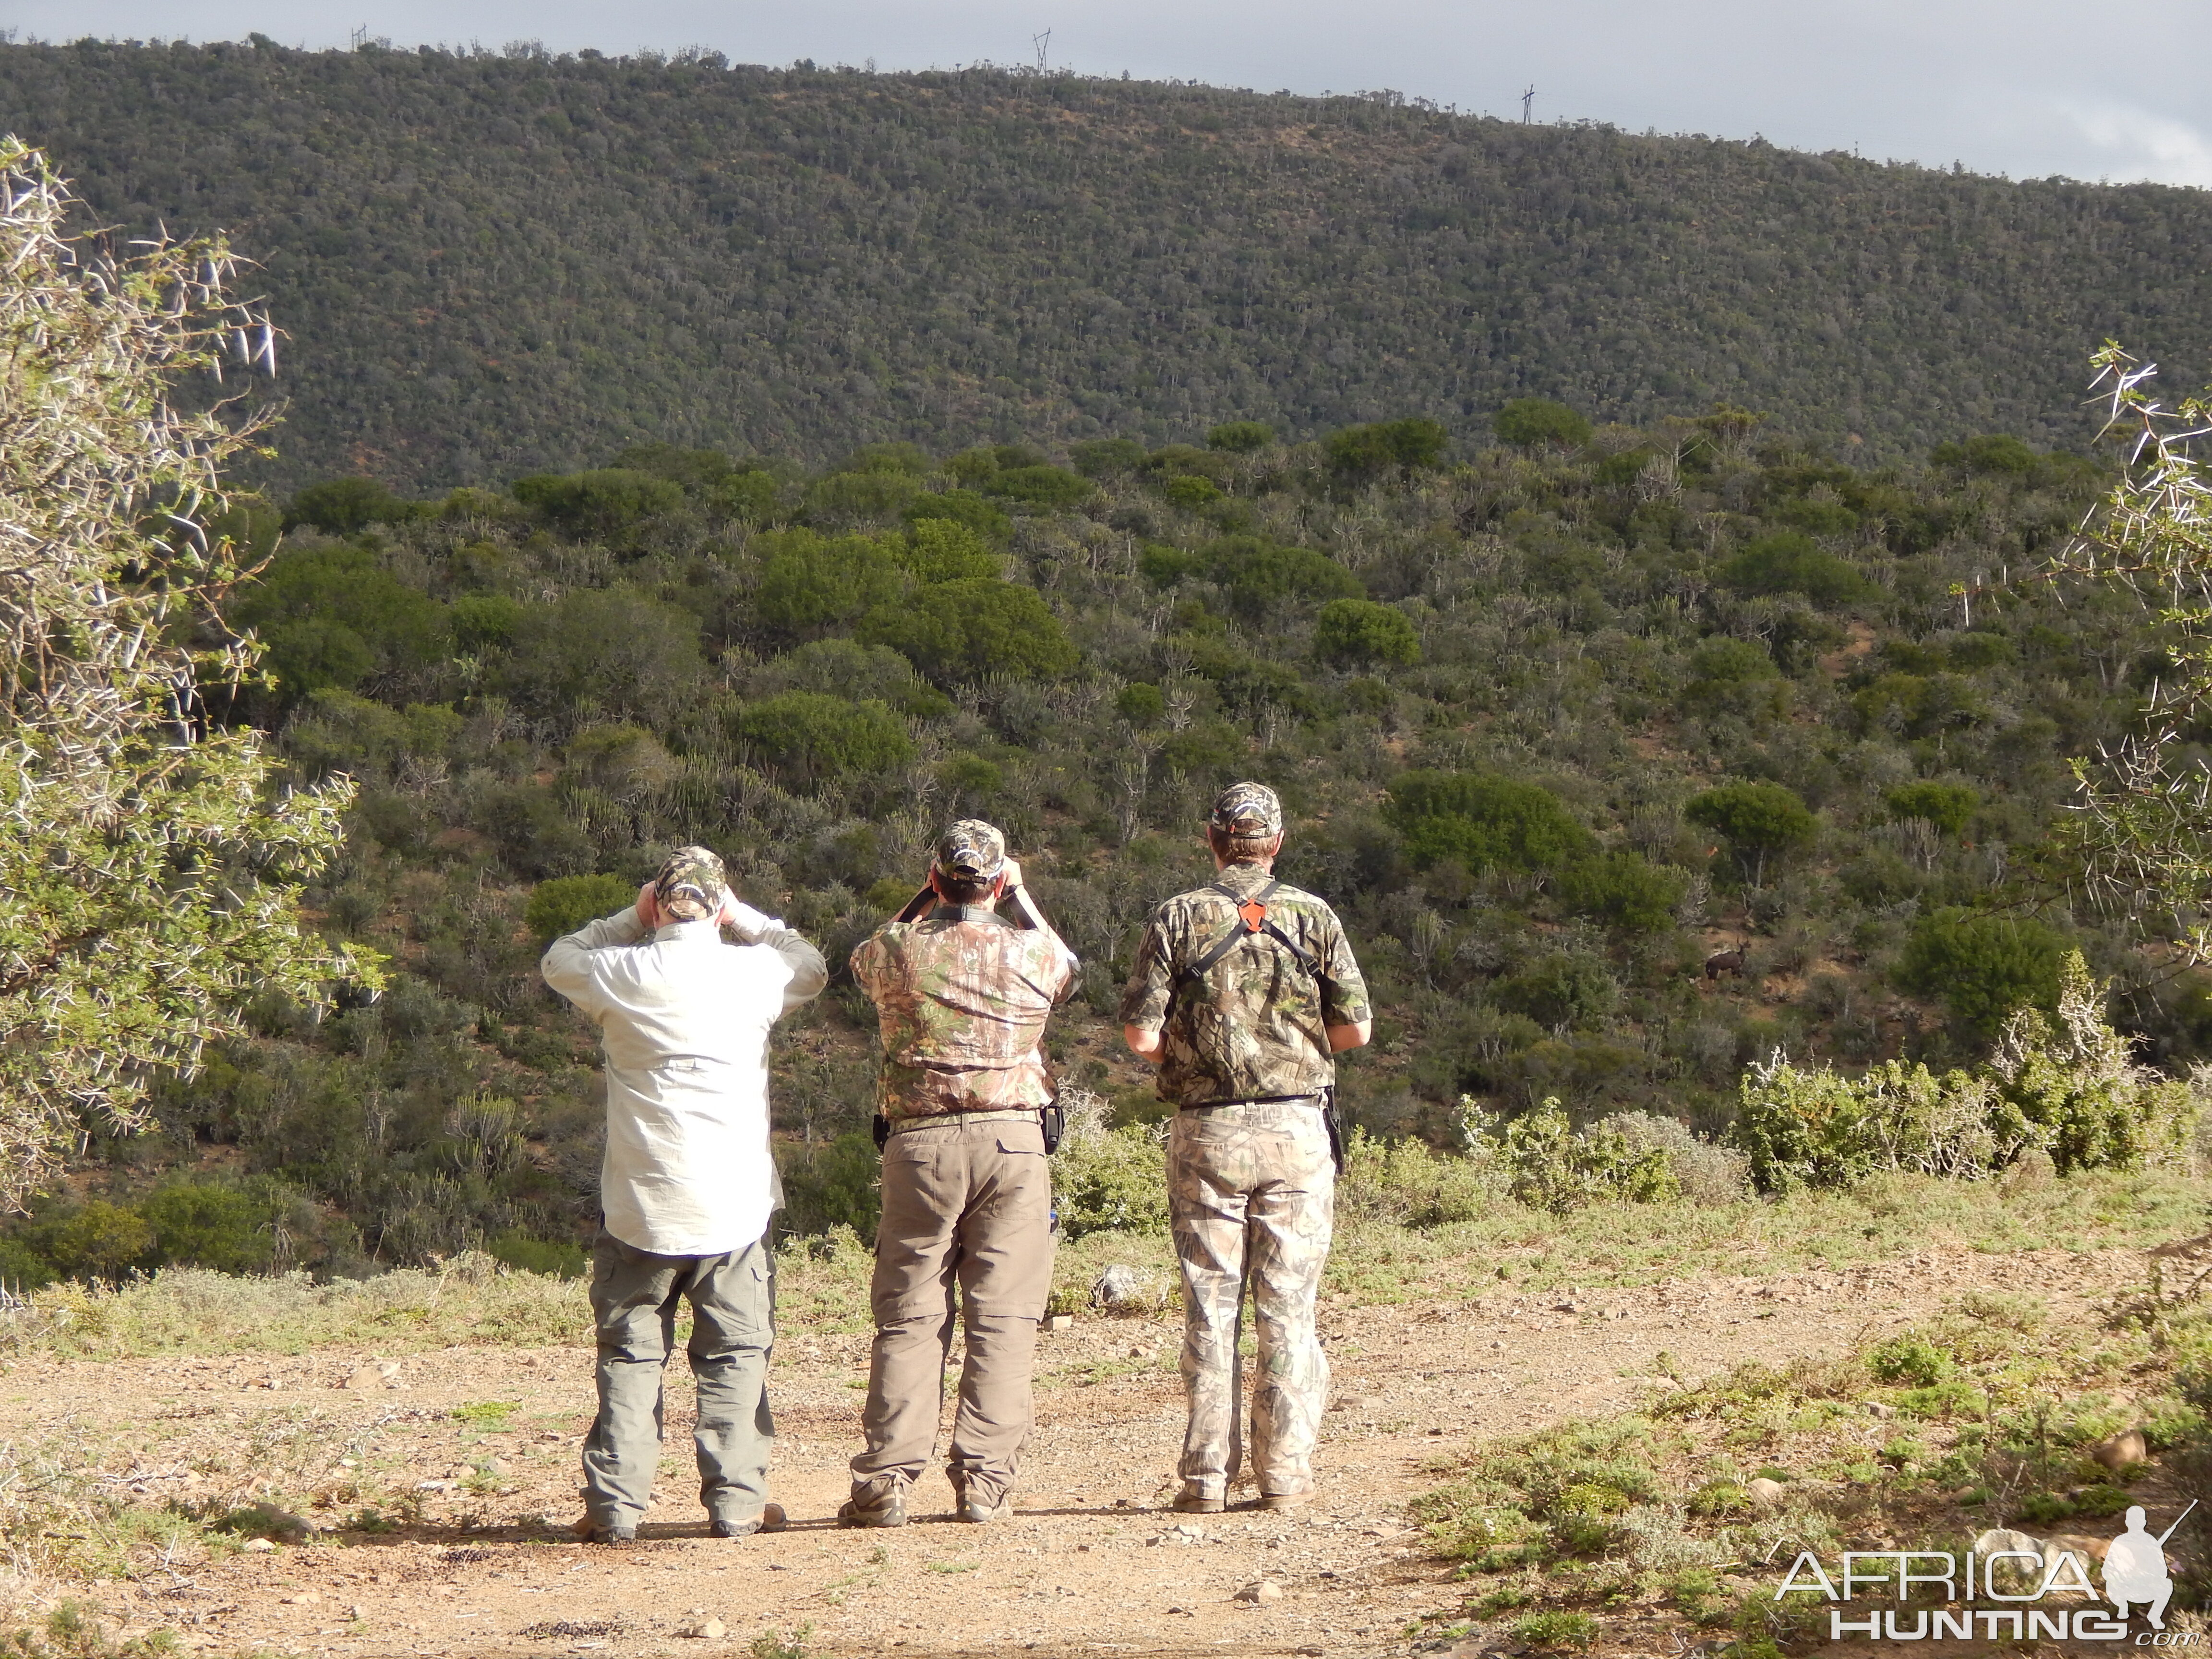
x=2136, y=145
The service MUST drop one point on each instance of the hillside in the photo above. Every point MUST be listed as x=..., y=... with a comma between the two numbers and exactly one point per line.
x=1555, y=726
x=494, y=264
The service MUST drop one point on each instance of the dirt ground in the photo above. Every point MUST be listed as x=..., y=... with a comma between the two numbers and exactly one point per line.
x=1092, y=1563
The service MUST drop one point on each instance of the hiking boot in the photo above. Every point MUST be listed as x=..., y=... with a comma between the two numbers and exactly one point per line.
x=770, y=1519
x=1284, y=1500
x=889, y=1510
x=591, y=1532
x=976, y=1510
x=1191, y=1503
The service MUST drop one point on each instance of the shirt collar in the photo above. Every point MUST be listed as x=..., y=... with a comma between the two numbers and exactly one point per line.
x=702, y=932
x=1244, y=878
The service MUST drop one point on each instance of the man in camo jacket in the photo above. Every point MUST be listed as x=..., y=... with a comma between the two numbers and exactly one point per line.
x=964, y=981
x=1242, y=992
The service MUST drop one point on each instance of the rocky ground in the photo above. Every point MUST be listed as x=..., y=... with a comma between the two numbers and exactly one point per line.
x=470, y=1455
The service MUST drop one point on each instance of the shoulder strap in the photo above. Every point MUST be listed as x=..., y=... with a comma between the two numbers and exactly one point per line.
x=1251, y=918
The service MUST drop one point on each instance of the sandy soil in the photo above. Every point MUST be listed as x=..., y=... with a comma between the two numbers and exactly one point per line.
x=1092, y=1562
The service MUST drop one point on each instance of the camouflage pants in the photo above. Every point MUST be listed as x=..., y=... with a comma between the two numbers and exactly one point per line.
x=1253, y=1195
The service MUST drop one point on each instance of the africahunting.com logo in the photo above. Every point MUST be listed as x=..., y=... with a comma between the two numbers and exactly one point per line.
x=2003, y=1568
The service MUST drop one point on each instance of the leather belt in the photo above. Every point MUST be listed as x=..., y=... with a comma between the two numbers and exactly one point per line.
x=900, y=1125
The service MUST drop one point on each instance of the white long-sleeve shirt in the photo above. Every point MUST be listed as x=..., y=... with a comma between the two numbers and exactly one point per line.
x=683, y=1019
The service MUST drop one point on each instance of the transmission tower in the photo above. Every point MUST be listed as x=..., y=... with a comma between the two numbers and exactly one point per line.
x=1527, y=102
x=1043, y=45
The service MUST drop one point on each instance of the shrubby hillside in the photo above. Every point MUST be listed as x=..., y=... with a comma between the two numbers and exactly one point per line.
x=494, y=263
x=1630, y=755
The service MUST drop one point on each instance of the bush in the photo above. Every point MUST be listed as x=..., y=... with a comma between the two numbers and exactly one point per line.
x=1107, y=458
x=1983, y=967
x=1107, y=1180
x=1370, y=450
x=1949, y=806
x=484, y=622
x=1241, y=437
x=1556, y=1631
x=1408, y=1183
x=1051, y=489
x=342, y=507
x=940, y=550
x=1362, y=632
x=609, y=502
x=1485, y=822
x=2075, y=1081
x=1810, y=1127
x=611, y=653
x=1705, y=1172
x=1190, y=491
x=810, y=582
x=1624, y=890
x=204, y=1225
x=1551, y=1167
x=1257, y=574
x=567, y=902
x=964, y=507
x=333, y=616
x=812, y=738
x=1791, y=563
x=1141, y=704
x=969, y=630
x=1760, y=819
x=831, y=1184
x=1526, y=423
x=1910, y=1358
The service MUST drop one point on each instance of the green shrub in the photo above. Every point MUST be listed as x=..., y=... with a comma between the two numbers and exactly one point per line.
x=811, y=737
x=1789, y=563
x=202, y=1224
x=609, y=502
x=1189, y=491
x=1623, y=889
x=1949, y=806
x=858, y=498
x=1485, y=822
x=333, y=616
x=1110, y=1180
x=1409, y=1183
x=1758, y=819
x=484, y=622
x=967, y=629
x=1811, y=1127
x=1527, y=422
x=1911, y=1358
x=1257, y=574
x=1551, y=1167
x=1241, y=437
x=1141, y=704
x=965, y=507
x=556, y=1258
x=2076, y=1082
x=1051, y=489
x=1361, y=631
x=342, y=507
x=611, y=653
x=567, y=902
x=1367, y=451
x=1107, y=458
x=941, y=550
x=1982, y=967
x=809, y=581
x=831, y=1184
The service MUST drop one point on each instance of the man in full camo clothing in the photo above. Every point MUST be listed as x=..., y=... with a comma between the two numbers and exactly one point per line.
x=963, y=980
x=1242, y=992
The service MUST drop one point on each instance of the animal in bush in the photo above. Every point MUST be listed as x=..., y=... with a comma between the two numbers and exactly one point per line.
x=1726, y=962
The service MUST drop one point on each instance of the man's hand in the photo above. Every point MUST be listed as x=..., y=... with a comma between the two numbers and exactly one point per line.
x=742, y=919
x=1145, y=1044
x=648, y=908
x=1010, y=875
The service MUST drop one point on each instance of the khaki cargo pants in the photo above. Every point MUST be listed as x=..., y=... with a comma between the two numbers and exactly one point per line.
x=633, y=1298
x=966, y=1204
x=1252, y=1196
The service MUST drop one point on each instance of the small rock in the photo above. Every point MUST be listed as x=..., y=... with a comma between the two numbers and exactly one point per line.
x=2117, y=1451
x=1059, y=1322
x=259, y=1545
x=2014, y=1544
x=707, y=1630
x=1766, y=1494
x=1566, y=1307
x=1121, y=1288
x=1261, y=1590
x=1876, y=1408
x=362, y=1376
x=1499, y=1343
x=356, y=1612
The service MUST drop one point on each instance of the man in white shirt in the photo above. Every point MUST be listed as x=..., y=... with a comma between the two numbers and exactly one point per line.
x=688, y=1183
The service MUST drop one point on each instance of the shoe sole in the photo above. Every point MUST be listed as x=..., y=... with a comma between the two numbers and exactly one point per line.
x=864, y=1519
x=1199, y=1505
x=1295, y=1500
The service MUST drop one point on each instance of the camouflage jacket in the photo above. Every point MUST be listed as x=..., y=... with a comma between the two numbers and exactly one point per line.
x=1252, y=1026
x=963, y=1006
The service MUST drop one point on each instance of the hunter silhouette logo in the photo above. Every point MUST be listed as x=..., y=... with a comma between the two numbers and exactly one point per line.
x=2002, y=1567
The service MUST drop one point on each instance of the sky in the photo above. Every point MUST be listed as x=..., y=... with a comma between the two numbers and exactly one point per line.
x=2089, y=88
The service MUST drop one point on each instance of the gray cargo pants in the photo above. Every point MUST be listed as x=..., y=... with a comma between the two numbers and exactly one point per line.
x=633, y=1298
x=967, y=1205
x=1252, y=1198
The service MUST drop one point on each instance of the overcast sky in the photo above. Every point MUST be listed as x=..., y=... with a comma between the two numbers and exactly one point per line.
x=2026, y=87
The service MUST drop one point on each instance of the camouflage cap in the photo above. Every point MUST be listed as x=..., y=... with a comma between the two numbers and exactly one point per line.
x=692, y=884
x=1247, y=809
x=972, y=850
